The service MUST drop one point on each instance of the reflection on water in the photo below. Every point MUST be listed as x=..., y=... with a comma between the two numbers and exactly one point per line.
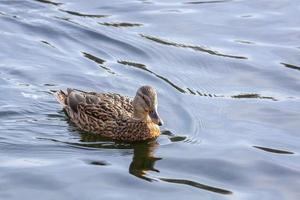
x=144, y=160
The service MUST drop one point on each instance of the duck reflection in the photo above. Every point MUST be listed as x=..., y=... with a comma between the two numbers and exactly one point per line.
x=143, y=159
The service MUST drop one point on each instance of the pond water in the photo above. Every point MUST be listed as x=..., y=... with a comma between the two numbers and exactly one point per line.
x=227, y=74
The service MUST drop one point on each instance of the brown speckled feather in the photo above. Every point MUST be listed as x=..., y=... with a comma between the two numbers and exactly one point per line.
x=108, y=114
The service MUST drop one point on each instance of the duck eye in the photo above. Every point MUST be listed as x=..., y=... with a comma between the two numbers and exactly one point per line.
x=146, y=100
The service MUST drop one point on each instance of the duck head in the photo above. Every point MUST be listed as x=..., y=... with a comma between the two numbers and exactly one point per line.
x=145, y=105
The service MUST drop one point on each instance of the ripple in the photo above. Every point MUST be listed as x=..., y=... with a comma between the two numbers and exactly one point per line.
x=205, y=94
x=97, y=162
x=238, y=96
x=205, y=2
x=194, y=139
x=24, y=84
x=83, y=14
x=24, y=162
x=197, y=185
x=8, y=113
x=47, y=43
x=271, y=150
x=99, y=61
x=143, y=159
x=173, y=11
x=34, y=95
x=93, y=58
x=92, y=35
x=49, y=85
x=143, y=67
x=121, y=24
x=244, y=42
x=291, y=66
x=247, y=16
x=146, y=1
x=192, y=47
x=252, y=96
x=172, y=137
x=91, y=142
x=49, y=2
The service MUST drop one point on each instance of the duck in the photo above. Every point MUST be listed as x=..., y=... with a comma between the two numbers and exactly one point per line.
x=113, y=115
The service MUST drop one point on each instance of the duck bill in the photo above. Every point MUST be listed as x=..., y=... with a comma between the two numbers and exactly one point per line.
x=155, y=118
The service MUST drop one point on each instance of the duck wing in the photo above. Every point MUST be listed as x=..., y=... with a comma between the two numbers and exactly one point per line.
x=104, y=106
x=122, y=102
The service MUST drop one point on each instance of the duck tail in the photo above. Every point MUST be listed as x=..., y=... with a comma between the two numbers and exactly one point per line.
x=61, y=97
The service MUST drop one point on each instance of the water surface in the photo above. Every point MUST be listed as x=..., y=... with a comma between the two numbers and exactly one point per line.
x=228, y=81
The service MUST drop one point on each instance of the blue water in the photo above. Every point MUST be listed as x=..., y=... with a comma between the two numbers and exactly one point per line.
x=227, y=74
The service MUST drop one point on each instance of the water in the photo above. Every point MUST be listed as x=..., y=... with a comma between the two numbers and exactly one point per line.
x=228, y=80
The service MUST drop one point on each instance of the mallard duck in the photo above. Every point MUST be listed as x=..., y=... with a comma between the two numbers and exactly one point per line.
x=113, y=115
